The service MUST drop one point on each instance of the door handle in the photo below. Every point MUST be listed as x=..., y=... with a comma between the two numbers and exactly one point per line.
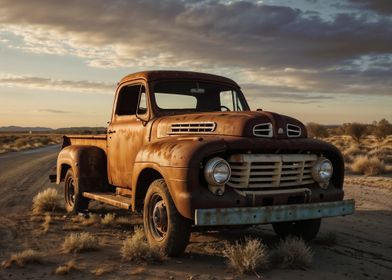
x=111, y=131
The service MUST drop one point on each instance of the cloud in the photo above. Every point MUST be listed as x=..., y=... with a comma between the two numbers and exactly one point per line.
x=52, y=111
x=324, y=55
x=52, y=84
x=379, y=6
x=282, y=94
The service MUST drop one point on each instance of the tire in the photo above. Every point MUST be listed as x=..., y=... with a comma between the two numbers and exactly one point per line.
x=165, y=228
x=306, y=229
x=74, y=202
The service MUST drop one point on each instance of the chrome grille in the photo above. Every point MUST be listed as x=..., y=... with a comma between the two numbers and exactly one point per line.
x=293, y=130
x=263, y=130
x=270, y=170
x=192, y=127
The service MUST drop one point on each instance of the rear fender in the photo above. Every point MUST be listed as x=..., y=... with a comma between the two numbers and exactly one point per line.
x=88, y=164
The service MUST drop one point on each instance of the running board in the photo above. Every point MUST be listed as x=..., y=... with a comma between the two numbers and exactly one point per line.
x=110, y=198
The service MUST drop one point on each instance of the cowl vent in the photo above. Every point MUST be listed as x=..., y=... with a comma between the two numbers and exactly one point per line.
x=192, y=127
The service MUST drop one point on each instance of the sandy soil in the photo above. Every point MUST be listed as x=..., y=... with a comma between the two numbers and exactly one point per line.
x=363, y=249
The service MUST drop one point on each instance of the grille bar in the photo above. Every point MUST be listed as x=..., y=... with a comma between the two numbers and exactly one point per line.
x=293, y=130
x=263, y=130
x=270, y=170
x=192, y=127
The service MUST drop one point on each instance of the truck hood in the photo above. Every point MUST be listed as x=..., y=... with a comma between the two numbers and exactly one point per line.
x=243, y=124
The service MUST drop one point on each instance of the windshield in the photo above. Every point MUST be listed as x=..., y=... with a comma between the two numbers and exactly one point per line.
x=185, y=96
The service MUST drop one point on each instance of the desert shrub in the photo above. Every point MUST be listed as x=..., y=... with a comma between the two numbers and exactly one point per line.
x=317, y=130
x=47, y=200
x=356, y=130
x=135, y=248
x=66, y=268
x=382, y=129
x=80, y=242
x=20, y=142
x=369, y=166
x=246, y=257
x=293, y=253
x=23, y=258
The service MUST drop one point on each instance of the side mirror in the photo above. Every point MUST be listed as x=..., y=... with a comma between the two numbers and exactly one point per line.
x=259, y=109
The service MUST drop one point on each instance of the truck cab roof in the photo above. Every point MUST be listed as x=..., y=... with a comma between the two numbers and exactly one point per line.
x=166, y=74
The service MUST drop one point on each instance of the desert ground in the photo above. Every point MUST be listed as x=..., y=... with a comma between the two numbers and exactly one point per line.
x=361, y=247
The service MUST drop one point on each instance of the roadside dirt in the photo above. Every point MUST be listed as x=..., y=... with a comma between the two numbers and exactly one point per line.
x=363, y=247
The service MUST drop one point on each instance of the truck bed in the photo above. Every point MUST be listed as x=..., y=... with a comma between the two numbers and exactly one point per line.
x=90, y=140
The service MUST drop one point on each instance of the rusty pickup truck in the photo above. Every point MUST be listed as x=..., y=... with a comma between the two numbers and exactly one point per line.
x=185, y=149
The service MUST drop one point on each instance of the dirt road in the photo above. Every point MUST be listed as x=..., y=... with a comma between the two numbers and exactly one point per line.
x=363, y=249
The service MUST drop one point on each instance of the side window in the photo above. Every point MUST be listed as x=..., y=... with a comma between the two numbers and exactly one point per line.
x=127, y=100
x=229, y=99
x=226, y=100
x=142, y=108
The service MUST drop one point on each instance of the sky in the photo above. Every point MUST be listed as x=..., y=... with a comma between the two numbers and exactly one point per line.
x=318, y=61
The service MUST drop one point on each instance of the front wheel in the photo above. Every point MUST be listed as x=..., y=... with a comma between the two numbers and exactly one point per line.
x=73, y=198
x=306, y=229
x=164, y=226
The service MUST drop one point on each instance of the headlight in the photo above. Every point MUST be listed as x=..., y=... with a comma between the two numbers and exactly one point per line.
x=217, y=171
x=322, y=171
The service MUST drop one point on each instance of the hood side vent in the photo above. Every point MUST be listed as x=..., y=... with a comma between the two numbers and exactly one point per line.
x=293, y=130
x=263, y=130
x=192, y=127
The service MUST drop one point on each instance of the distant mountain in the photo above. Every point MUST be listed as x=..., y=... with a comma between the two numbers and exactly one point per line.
x=63, y=130
x=13, y=128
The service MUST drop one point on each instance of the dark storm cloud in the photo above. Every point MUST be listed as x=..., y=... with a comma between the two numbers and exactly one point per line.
x=242, y=34
x=379, y=6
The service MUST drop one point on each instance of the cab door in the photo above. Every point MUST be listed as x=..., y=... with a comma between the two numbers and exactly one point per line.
x=126, y=133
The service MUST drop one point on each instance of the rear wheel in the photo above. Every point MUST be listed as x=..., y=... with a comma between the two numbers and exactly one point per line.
x=73, y=199
x=306, y=229
x=164, y=226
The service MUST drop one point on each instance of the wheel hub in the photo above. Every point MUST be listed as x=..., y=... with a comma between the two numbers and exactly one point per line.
x=159, y=217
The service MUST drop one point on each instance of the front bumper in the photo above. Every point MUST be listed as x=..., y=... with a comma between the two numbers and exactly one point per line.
x=272, y=214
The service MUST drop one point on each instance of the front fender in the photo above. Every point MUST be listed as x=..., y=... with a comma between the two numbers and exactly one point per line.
x=180, y=152
x=177, y=160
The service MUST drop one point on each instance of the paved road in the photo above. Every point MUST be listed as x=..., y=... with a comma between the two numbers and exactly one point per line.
x=22, y=175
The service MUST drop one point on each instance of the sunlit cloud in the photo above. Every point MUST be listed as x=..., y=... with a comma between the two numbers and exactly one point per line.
x=52, y=84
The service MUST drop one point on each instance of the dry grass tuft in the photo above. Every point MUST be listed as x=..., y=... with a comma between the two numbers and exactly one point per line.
x=135, y=248
x=23, y=258
x=246, y=257
x=66, y=268
x=80, y=242
x=91, y=219
x=103, y=269
x=293, y=253
x=123, y=221
x=109, y=220
x=369, y=166
x=47, y=200
x=46, y=223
